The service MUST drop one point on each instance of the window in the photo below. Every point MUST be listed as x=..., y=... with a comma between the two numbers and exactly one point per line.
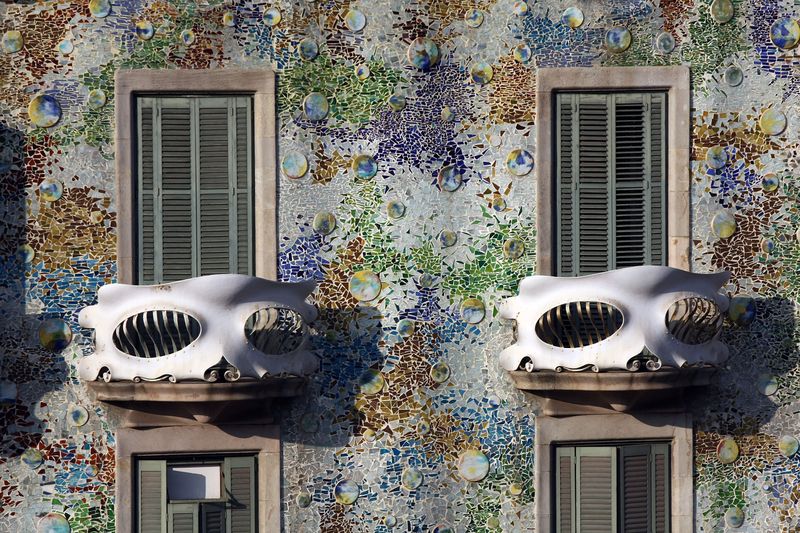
x=612, y=488
x=194, y=187
x=196, y=495
x=610, y=181
x=612, y=168
x=196, y=174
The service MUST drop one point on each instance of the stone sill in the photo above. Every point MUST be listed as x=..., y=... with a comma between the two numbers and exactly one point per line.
x=153, y=404
x=581, y=393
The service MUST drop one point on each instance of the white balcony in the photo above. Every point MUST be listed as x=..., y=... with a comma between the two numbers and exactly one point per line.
x=647, y=328
x=201, y=342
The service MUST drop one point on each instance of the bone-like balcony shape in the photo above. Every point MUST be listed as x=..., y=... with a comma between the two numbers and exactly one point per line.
x=215, y=349
x=223, y=327
x=660, y=321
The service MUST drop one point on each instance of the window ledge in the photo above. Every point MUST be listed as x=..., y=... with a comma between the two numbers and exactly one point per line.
x=582, y=393
x=151, y=404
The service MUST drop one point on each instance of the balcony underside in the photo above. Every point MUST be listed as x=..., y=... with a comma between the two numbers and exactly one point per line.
x=150, y=404
x=580, y=393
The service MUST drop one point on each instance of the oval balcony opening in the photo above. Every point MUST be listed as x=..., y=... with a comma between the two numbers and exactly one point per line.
x=578, y=324
x=275, y=330
x=156, y=333
x=694, y=320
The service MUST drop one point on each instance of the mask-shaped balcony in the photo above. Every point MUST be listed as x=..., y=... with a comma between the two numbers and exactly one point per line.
x=624, y=340
x=208, y=349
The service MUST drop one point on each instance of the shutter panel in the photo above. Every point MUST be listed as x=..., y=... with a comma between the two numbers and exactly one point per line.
x=565, y=490
x=636, y=494
x=661, y=487
x=244, y=177
x=658, y=176
x=596, y=489
x=632, y=169
x=213, y=517
x=610, y=190
x=214, y=191
x=152, y=496
x=224, y=171
x=146, y=207
x=195, y=178
x=593, y=190
x=565, y=175
x=176, y=190
x=183, y=518
x=240, y=485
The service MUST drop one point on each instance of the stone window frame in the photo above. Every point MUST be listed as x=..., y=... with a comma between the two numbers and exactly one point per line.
x=260, y=84
x=263, y=441
x=675, y=429
x=675, y=80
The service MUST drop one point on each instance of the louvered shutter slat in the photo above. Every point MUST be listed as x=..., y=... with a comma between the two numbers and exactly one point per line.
x=176, y=147
x=213, y=147
x=213, y=518
x=214, y=196
x=635, y=489
x=632, y=176
x=243, y=173
x=177, y=237
x=152, y=496
x=214, y=233
x=565, y=171
x=146, y=206
x=658, y=175
x=183, y=518
x=593, y=184
x=596, y=489
x=240, y=481
x=565, y=490
x=661, y=487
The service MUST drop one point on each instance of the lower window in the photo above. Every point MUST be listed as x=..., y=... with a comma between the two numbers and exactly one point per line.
x=197, y=494
x=612, y=487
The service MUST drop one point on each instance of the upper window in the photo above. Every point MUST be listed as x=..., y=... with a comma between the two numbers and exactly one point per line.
x=610, y=181
x=616, y=488
x=196, y=174
x=191, y=495
x=194, y=187
x=612, y=168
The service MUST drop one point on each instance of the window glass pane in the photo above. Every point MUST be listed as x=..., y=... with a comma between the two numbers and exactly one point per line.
x=194, y=482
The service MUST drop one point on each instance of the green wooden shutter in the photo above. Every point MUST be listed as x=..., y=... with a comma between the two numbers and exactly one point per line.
x=661, y=487
x=596, y=489
x=609, y=181
x=212, y=518
x=146, y=198
x=605, y=489
x=195, y=182
x=240, y=486
x=151, y=496
x=565, y=490
x=244, y=177
x=636, y=492
x=566, y=172
x=184, y=518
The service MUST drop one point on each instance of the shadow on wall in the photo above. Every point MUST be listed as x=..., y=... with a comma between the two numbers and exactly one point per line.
x=762, y=372
x=30, y=340
x=756, y=393
x=28, y=371
x=330, y=413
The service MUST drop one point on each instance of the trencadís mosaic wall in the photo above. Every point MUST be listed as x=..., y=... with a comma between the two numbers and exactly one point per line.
x=398, y=195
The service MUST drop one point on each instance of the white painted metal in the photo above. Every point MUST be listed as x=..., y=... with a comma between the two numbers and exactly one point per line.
x=642, y=294
x=221, y=304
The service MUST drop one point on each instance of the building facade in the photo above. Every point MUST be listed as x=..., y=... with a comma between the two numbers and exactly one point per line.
x=412, y=160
